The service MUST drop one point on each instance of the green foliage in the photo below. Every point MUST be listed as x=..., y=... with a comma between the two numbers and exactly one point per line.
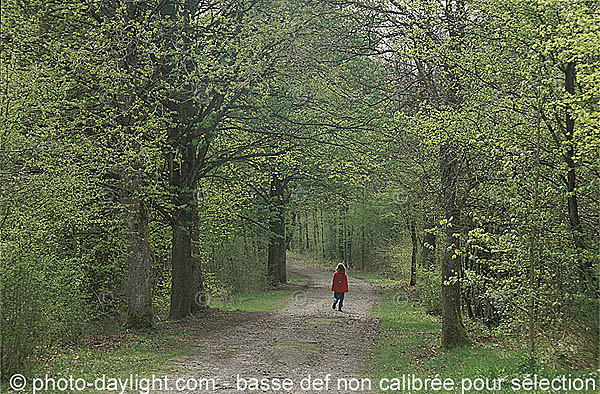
x=408, y=345
x=116, y=355
x=428, y=285
x=191, y=111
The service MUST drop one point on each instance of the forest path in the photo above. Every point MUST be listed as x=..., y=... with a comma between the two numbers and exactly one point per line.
x=305, y=337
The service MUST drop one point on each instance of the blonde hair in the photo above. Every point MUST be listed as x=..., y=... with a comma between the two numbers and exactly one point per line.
x=341, y=268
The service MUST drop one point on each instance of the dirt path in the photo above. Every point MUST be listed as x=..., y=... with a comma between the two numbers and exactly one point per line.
x=306, y=337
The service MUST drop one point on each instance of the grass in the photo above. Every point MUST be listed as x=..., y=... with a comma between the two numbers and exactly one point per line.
x=115, y=356
x=255, y=302
x=374, y=278
x=409, y=344
x=263, y=300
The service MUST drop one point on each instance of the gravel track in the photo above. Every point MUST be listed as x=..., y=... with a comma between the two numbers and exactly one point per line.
x=304, y=338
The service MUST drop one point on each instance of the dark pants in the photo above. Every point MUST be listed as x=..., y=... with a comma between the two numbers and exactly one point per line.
x=338, y=296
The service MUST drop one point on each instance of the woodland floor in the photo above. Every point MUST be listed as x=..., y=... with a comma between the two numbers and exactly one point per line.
x=304, y=338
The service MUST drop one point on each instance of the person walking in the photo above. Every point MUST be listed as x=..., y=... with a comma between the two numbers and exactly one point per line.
x=339, y=286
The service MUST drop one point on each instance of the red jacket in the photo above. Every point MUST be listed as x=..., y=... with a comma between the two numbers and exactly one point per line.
x=340, y=282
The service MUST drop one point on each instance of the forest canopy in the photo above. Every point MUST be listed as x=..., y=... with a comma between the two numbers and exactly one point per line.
x=156, y=154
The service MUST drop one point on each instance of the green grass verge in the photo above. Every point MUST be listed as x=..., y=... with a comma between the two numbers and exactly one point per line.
x=255, y=302
x=374, y=278
x=115, y=356
x=263, y=300
x=409, y=344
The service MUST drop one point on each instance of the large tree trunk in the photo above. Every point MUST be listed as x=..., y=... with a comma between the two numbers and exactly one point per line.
x=189, y=144
x=139, y=288
x=184, y=219
x=182, y=286
x=276, y=253
x=139, y=297
x=453, y=330
x=339, y=236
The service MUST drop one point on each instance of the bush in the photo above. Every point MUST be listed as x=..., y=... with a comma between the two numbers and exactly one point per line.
x=429, y=287
x=40, y=305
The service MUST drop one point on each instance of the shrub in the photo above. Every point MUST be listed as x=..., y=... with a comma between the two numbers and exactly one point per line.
x=429, y=288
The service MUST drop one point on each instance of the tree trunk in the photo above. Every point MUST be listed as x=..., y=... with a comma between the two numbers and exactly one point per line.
x=291, y=237
x=185, y=215
x=344, y=242
x=533, y=245
x=363, y=241
x=315, y=232
x=453, y=330
x=200, y=298
x=276, y=264
x=182, y=284
x=586, y=273
x=413, y=260
x=139, y=289
x=187, y=149
x=306, y=234
x=347, y=240
x=339, y=236
x=139, y=297
x=322, y=245
x=299, y=239
x=429, y=243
